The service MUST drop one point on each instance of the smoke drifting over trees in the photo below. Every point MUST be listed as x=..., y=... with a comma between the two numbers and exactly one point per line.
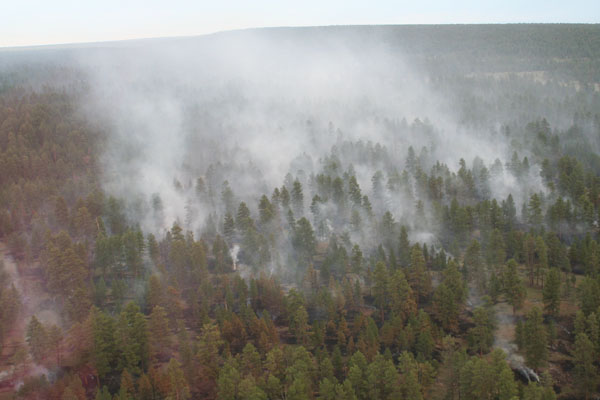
x=337, y=212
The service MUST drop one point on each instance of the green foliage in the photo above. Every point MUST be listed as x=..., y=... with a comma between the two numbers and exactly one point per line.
x=513, y=286
x=37, y=339
x=382, y=379
x=358, y=375
x=482, y=378
x=481, y=336
x=178, y=386
x=449, y=298
x=586, y=373
x=304, y=241
x=355, y=284
x=551, y=292
x=535, y=339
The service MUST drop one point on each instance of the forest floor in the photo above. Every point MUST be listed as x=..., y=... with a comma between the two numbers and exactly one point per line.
x=560, y=362
x=34, y=301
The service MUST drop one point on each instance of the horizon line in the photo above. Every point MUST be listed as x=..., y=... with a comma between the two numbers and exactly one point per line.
x=147, y=38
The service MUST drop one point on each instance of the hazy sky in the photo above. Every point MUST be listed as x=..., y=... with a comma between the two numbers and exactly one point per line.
x=33, y=22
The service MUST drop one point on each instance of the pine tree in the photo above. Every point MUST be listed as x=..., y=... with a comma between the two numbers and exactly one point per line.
x=510, y=212
x=243, y=221
x=481, y=336
x=358, y=376
x=74, y=389
x=506, y=387
x=249, y=389
x=387, y=229
x=37, y=337
x=227, y=198
x=152, y=248
x=496, y=250
x=132, y=339
x=382, y=378
x=327, y=389
x=66, y=271
x=266, y=210
x=474, y=265
x=315, y=207
x=105, y=351
x=449, y=298
x=535, y=216
x=366, y=205
x=220, y=251
x=178, y=386
x=589, y=295
x=380, y=281
x=410, y=387
x=424, y=344
x=229, y=380
x=551, y=292
x=299, y=325
x=535, y=339
x=354, y=192
x=127, y=388
x=158, y=332
x=453, y=359
x=228, y=227
x=304, y=241
x=585, y=372
x=297, y=198
x=541, y=260
x=535, y=391
x=356, y=259
x=284, y=196
x=529, y=255
x=345, y=391
x=83, y=223
x=250, y=361
x=513, y=287
x=103, y=394
x=402, y=302
x=61, y=211
x=482, y=378
x=419, y=278
x=54, y=337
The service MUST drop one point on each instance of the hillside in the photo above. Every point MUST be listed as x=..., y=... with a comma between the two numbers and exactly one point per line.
x=349, y=212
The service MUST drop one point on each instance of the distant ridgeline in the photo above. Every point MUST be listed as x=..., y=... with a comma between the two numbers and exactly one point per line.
x=568, y=51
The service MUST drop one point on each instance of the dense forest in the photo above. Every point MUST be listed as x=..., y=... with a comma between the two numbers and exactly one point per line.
x=384, y=212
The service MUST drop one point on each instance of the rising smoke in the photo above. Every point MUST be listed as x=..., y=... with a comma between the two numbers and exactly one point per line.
x=255, y=106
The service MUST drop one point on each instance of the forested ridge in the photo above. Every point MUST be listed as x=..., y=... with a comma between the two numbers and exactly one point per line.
x=404, y=260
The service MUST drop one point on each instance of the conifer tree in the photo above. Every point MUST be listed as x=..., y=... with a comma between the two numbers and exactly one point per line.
x=481, y=336
x=382, y=378
x=418, y=276
x=358, y=375
x=178, y=386
x=586, y=373
x=228, y=227
x=37, y=337
x=158, y=332
x=535, y=339
x=297, y=198
x=354, y=192
x=551, y=292
x=474, y=265
x=380, y=282
x=513, y=287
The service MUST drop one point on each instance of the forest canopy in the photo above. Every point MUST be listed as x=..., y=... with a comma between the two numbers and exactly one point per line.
x=354, y=212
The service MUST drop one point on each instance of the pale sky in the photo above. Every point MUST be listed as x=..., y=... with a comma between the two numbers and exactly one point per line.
x=37, y=22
